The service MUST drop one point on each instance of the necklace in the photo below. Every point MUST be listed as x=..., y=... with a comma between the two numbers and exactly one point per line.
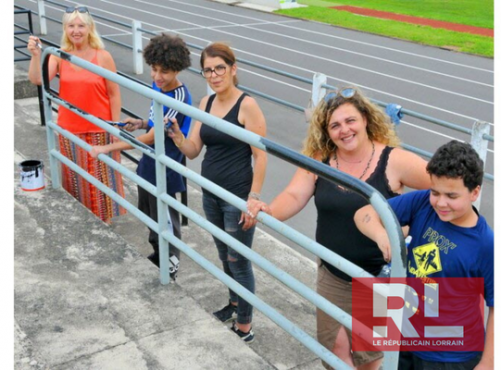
x=368, y=163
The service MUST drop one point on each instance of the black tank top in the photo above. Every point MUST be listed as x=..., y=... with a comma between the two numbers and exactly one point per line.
x=227, y=161
x=336, y=229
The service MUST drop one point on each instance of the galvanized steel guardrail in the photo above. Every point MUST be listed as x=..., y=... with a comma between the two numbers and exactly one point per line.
x=160, y=191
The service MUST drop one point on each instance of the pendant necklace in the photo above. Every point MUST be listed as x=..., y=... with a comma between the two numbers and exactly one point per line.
x=368, y=163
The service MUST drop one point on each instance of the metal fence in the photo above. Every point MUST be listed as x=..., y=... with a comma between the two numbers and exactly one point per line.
x=160, y=191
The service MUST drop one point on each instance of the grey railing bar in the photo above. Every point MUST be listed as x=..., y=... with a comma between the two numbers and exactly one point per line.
x=117, y=42
x=488, y=137
x=272, y=98
x=150, y=32
x=52, y=19
x=277, y=71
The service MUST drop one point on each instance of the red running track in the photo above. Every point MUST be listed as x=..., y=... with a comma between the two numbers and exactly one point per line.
x=417, y=20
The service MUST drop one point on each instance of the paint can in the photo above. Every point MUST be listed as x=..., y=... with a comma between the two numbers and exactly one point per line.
x=32, y=178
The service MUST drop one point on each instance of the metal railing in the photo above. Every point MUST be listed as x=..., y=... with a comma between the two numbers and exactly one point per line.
x=20, y=48
x=164, y=200
x=479, y=133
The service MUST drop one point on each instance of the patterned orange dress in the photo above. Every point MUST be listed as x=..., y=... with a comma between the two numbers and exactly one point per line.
x=87, y=91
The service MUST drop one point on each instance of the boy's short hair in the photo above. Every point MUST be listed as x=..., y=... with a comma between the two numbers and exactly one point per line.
x=457, y=160
x=168, y=52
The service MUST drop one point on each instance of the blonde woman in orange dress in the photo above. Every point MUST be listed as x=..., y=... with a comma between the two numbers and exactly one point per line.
x=91, y=93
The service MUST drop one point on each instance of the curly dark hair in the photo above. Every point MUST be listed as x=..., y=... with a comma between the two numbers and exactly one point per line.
x=457, y=160
x=379, y=126
x=168, y=52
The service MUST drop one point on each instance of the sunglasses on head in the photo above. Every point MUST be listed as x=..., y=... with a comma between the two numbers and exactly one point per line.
x=346, y=93
x=80, y=9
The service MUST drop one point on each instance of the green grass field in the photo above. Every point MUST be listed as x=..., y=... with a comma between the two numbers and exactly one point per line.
x=479, y=13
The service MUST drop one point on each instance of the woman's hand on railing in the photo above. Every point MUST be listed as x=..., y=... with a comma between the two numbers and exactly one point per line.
x=34, y=46
x=98, y=149
x=133, y=124
x=255, y=206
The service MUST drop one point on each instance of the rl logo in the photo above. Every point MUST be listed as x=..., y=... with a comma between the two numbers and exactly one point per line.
x=419, y=314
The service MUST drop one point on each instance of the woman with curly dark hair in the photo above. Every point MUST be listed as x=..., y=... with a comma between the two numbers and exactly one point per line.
x=351, y=134
x=168, y=56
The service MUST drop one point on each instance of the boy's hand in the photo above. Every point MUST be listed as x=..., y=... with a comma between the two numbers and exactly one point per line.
x=133, y=124
x=383, y=242
x=98, y=149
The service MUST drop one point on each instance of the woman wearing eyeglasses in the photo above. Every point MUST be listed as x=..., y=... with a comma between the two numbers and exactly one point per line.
x=351, y=134
x=91, y=93
x=228, y=163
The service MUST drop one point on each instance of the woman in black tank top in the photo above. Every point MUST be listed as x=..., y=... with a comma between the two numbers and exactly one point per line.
x=228, y=163
x=349, y=133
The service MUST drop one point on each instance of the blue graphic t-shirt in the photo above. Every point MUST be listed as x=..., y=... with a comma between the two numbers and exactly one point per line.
x=146, y=166
x=441, y=249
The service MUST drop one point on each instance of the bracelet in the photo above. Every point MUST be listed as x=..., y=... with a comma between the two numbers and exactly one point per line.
x=254, y=195
x=182, y=141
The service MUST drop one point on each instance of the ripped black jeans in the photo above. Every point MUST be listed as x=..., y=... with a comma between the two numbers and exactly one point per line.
x=226, y=217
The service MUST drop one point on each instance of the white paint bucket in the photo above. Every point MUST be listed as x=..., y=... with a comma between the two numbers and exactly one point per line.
x=32, y=178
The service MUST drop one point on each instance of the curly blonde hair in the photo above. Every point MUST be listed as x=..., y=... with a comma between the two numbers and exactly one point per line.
x=95, y=40
x=379, y=126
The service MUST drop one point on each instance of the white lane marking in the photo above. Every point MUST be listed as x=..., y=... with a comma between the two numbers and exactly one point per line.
x=343, y=38
x=230, y=25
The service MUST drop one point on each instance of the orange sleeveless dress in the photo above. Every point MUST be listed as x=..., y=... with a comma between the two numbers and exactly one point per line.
x=88, y=92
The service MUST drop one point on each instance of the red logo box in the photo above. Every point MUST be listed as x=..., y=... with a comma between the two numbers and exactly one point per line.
x=419, y=314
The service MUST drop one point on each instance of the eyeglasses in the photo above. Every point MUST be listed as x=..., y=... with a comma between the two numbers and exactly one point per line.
x=346, y=93
x=80, y=9
x=218, y=70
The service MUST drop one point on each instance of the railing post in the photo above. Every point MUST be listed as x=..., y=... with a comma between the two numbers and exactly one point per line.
x=184, y=196
x=41, y=17
x=478, y=143
x=163, y=216
x=317, y=91
x=209, y=90
x=51, y=137
x=137, y=47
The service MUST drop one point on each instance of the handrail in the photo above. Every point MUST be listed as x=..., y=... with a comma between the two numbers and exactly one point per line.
x=333, y=175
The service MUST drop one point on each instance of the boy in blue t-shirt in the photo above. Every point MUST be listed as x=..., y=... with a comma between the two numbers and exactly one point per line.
x=455, y=238
x=168, y=56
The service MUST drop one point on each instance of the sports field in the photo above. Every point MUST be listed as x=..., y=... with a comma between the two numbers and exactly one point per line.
x=478, y=13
